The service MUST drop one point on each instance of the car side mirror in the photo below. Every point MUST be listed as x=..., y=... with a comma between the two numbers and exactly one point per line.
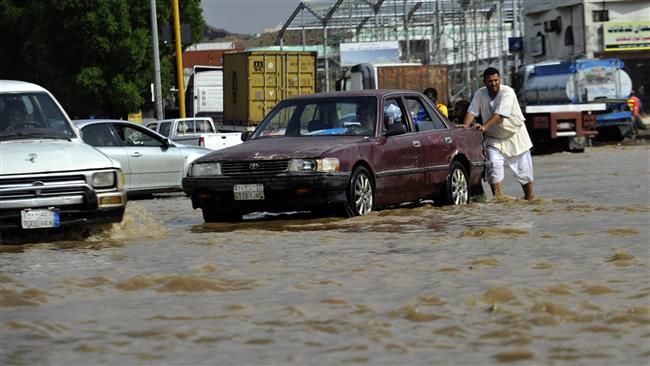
x=395, y=129
x=246, y=135
x=166, y=143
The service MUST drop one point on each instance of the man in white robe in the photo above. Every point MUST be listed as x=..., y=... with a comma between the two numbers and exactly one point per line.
x=505, y=132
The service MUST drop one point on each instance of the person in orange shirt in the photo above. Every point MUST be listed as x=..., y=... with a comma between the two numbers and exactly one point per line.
x=432, y=94
x=635, y=106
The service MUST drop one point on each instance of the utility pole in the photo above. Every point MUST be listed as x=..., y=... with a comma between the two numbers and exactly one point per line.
x=179, y=60
x=502, y=57
x=156, y=62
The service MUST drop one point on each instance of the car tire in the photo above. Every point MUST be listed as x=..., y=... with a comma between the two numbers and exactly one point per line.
x=220, y=216
x=360, y=193
x=456, y=189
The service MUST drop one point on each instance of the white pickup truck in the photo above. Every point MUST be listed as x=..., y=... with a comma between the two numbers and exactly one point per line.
x=198, y=131
x=49, y=177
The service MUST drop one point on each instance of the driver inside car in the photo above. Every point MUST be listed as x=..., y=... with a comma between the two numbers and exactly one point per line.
x=365, y=116
x=15, y=116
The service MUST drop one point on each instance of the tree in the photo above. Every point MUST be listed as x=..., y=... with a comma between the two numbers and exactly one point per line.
x=95, y=56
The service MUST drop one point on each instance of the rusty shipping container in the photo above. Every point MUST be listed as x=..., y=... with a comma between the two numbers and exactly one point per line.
x=204, y=58
x=255, y=81
x=416, y=77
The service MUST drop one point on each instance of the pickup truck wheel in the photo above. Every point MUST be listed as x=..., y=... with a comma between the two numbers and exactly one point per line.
x=360, y=193
x=220, y=216
x=456, y=189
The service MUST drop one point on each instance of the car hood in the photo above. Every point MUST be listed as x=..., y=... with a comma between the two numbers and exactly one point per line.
x=283, y=148
x=42, y=156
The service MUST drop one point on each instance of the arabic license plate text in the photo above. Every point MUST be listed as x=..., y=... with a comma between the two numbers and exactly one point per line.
x=41, y=218
x=244, y=192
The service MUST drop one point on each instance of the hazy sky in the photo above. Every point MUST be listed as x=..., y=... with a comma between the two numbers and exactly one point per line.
x=247, y=16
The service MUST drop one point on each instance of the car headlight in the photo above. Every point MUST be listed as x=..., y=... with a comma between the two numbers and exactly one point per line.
x=314, y=165
x=103, y=179
x=200, y=169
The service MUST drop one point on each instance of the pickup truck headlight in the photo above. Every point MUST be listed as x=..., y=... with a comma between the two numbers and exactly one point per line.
x=314, y=165
x=200, y=169
x=103, y=179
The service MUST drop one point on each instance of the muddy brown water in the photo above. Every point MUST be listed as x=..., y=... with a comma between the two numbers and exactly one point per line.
x=564, y=280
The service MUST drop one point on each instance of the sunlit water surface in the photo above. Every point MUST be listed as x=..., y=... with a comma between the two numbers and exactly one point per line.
x=562, y=280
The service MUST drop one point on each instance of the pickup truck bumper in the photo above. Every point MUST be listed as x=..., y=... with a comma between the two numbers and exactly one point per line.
x=281, y=193
x=86, y=208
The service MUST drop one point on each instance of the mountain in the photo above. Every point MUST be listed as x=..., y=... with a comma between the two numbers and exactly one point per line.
x=312, y=36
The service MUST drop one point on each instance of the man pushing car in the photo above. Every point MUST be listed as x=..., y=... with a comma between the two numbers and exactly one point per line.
x=505, y=132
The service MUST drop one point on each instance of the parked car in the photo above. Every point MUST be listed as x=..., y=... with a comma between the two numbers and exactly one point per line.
x=317, y=152
x=48, y=176
x=151, y=162
x=198, y=131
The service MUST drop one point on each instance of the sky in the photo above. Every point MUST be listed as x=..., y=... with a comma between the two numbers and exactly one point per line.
x=247, y=16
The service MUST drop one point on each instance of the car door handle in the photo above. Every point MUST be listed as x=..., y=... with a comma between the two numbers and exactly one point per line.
x=416, y=143
x=448, y=140
x=136, y=155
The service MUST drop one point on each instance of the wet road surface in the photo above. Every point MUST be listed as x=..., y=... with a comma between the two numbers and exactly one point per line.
x=562, y=280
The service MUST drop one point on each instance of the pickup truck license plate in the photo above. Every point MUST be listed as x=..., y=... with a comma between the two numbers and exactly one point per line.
x=39, y=218
x=248, y=192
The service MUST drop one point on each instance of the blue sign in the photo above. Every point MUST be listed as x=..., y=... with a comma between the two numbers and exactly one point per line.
x=515, y=44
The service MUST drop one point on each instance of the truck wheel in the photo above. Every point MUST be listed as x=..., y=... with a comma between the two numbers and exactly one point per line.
x=456, y=189
x=210, y=215
x=360, y=193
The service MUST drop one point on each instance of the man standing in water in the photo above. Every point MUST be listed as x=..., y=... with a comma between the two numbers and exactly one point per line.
x=505, y=132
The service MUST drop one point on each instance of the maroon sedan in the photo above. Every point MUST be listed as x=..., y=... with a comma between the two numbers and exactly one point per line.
x=354, y=151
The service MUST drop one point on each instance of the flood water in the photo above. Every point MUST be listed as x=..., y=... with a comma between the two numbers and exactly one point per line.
x=564, y=280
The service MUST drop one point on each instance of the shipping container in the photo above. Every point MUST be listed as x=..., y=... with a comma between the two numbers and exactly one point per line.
x=255, y=81
x=416, y=78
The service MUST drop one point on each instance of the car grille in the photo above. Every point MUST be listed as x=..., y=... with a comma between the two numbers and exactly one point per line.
x=254, y=167
x=41, y=186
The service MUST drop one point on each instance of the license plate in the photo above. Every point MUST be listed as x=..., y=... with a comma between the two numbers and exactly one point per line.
x=40, y=218
x=245, y=192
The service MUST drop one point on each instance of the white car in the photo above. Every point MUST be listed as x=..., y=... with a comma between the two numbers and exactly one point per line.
x=48, y=176
x=151, y=162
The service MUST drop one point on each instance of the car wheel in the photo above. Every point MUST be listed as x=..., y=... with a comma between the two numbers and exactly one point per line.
x=220, y=216
x=456, y=190
x=360, y=193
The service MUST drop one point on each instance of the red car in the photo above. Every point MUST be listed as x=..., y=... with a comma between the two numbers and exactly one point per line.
x=354, y=151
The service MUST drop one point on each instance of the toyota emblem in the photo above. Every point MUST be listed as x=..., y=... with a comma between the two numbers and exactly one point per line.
x=253, y=166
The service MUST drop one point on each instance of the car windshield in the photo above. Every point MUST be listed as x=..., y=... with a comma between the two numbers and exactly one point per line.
x=343, y=116
x=29, y=115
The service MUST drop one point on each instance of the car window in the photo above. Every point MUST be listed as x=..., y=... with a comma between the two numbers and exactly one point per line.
x=278, y=123
x=152, y=126
x=203, y=126
x=423, y=118
x=309, y=113
x=164, y=128
x=393, y=114
x=185, y=127
x=99, y=135
x=134, y=137
x=30, y=111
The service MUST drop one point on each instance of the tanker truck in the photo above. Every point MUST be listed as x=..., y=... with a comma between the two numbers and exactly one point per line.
x=567, y=103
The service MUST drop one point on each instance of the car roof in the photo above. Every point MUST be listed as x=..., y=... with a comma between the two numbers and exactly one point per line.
x=16, y=86
x=379, y=93
x=183, y=119
x=84, y=122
